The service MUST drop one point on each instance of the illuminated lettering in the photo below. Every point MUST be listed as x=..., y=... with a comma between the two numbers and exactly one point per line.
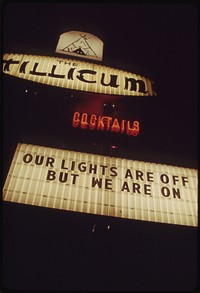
x=63, y=165
x=184, y=180
x=173, y=180
x=139, y=175
x=34, y=72
x=27, y=158
x=176, y=179
x=101, y=79
x=23, y=67
x=150, y=176
x=62, y=178
x=128, y=174
x=84, y=123
x=51, y=175
x=102, y=123
x=113, y=80
x=98, y=182
x=123, y=125
x=70, y=73
x=52, y=74
x=93, y=120
x=38, y=160
x=115, y=126
x=8, y=63
x=165, y=191
x=103, y=169
x=108, y=121
x=76, y=119
x=113, y=171
x=82, y=167
x=81, y=77
x=137, y=188
x=134, y=130
x=136, y=85
x=78, y=166
x=93, y=168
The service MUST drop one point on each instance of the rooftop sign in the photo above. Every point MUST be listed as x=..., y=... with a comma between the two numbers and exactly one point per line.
x=76, y=75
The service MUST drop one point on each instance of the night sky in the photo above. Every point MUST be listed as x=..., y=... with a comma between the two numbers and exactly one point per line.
x=46, y=249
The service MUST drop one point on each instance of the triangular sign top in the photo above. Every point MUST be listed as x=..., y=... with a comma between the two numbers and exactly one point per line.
x=80, y=44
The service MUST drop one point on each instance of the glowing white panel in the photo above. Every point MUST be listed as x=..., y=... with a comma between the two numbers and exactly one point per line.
x=76, y=75
x=102, y=185
x=80, y=44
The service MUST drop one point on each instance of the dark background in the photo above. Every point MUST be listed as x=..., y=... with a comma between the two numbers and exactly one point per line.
x=46, y=249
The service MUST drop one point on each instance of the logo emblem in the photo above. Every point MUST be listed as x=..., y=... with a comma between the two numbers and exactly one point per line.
x=80, y=44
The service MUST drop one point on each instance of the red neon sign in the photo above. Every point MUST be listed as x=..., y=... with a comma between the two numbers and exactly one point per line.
x=105, y=123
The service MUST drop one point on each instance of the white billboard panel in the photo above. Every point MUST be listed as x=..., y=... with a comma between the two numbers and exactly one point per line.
x=77, y=75
x=102, y=185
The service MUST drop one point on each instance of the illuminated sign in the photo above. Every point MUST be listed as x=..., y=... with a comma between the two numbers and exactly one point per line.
x=76, y=75
x=102, y=185
x=107, y=123
x=80, y=44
